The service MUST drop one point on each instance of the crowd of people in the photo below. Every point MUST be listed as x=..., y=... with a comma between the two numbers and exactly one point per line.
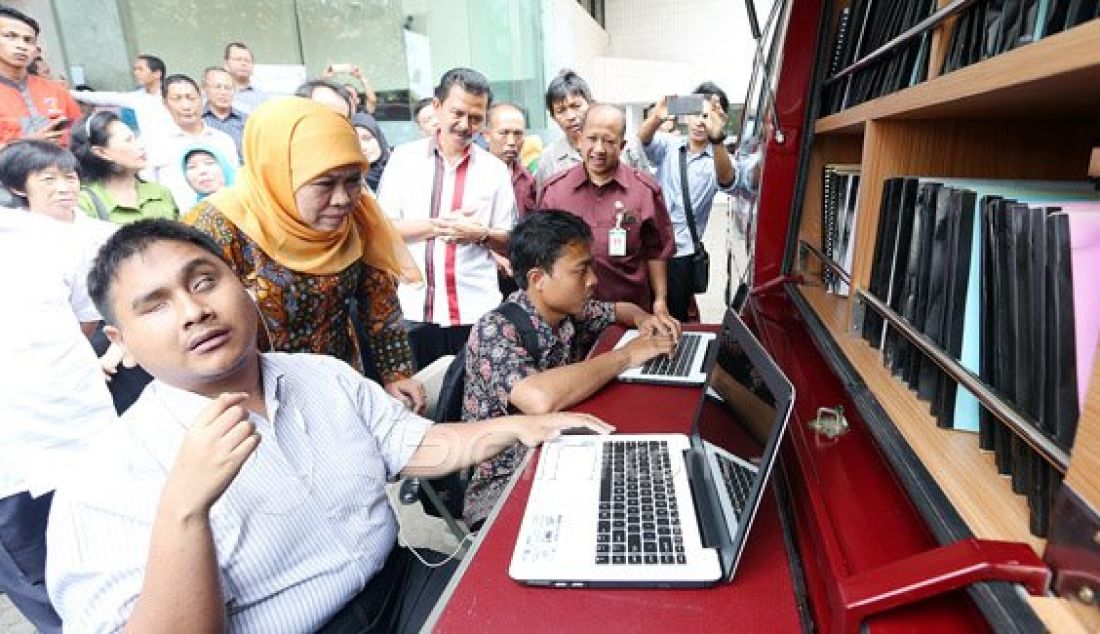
x=224, y=296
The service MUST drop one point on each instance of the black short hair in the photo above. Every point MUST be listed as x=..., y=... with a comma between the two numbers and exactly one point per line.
x=91, y=131
x=155, y=64
x=178, y=78
x=563, y=85
x=538, y=240
x=133, y=239
x=709, y=88
x=504, y=104
x=232, y=45
x=467, y=79
x=22, y=158
x=306, y=91
x=16, y=14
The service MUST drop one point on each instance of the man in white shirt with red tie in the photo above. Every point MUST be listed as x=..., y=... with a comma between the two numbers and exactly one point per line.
x=453, y=203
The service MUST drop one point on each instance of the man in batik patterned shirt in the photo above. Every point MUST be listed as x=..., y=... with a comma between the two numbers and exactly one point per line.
x=552, y=261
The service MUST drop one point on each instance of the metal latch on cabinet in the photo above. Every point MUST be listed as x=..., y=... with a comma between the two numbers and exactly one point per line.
x=830, y=422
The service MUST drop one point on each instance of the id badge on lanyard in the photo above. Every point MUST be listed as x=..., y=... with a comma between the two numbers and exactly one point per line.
x=616, y=236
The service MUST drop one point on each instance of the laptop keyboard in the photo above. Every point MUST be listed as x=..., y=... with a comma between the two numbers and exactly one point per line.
x=738, y=480
x=679, y=362
x=639, y=522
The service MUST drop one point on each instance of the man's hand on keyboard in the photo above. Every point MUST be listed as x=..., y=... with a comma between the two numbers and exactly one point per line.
x=646, y=346
x=540, y=428
x=659, y=325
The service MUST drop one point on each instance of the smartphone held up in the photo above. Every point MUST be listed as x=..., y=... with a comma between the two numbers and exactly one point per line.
x=682, y=105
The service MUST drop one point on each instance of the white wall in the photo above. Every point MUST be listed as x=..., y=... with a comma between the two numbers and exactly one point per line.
x=709, y=39
x=652, y=48
x=571, y=39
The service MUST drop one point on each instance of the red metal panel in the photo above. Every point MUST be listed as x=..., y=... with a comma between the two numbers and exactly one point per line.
x=851, y=514
x=780, y=168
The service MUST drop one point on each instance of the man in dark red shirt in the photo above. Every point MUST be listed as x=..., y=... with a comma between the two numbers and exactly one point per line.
x=504, y=127
x=631, y=228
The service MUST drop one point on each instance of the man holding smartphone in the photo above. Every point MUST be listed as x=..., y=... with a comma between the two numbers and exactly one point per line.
x=708, y=168
x=30, y=107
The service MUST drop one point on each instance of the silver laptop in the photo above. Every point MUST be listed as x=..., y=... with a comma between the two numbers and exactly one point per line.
x=686, y=365
x=661, y=510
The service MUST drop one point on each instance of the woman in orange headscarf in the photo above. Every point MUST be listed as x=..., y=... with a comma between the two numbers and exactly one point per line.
x=309, y=243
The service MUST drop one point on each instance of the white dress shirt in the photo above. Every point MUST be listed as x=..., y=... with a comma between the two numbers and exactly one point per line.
x=298, y=533
x=166, y=159
x=461, y=280
x=52, y=392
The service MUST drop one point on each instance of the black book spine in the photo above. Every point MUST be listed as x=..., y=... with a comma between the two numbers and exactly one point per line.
x=1029, y=16
x=962, y=250
x=1025, y=378
x=885, y=246
x=924, y=278
x=1062, y=408
x=1003, y=319
x=940, y=273
x=1055, y=20
x=988, y=365
x=906, y=207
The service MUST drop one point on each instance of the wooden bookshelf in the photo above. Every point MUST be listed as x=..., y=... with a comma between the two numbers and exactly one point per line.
x=829, y=150
x=1030, y=113
x=1058, y=75
x=966, y=475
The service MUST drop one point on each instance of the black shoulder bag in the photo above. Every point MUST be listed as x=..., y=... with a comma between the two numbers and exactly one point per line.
x=700, y=259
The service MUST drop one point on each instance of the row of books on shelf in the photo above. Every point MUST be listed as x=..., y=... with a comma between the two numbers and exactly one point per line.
x=839, y=213
x=991, y=27
x=999, y=275
x=862, y=28
x=984, y=29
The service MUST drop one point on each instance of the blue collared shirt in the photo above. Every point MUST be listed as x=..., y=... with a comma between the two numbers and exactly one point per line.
x=233, y=125
x=664, y=152
x=249, y=98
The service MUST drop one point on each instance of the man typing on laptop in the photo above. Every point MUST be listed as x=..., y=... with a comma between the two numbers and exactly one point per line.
x=552, y=260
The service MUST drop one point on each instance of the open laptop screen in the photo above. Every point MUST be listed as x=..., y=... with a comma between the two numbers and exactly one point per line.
x=736, y=437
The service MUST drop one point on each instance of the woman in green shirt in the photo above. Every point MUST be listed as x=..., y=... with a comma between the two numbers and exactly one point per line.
x=110, y=158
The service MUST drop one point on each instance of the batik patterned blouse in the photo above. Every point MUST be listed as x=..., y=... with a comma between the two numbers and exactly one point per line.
x=303, y=312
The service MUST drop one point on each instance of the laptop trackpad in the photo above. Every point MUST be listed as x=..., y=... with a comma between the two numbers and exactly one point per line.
x=571, y=459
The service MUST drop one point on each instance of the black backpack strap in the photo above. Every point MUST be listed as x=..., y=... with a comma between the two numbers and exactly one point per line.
x=522, y=321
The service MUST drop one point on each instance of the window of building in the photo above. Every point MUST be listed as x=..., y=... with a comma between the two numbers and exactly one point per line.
x=595, y=9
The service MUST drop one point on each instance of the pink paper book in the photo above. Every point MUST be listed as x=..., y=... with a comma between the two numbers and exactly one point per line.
x=1084, y=236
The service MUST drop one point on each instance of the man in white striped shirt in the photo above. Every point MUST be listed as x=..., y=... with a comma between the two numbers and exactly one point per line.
x=184, y=519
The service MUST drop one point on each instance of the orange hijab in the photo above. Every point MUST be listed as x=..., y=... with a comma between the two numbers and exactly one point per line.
x=287, y=143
